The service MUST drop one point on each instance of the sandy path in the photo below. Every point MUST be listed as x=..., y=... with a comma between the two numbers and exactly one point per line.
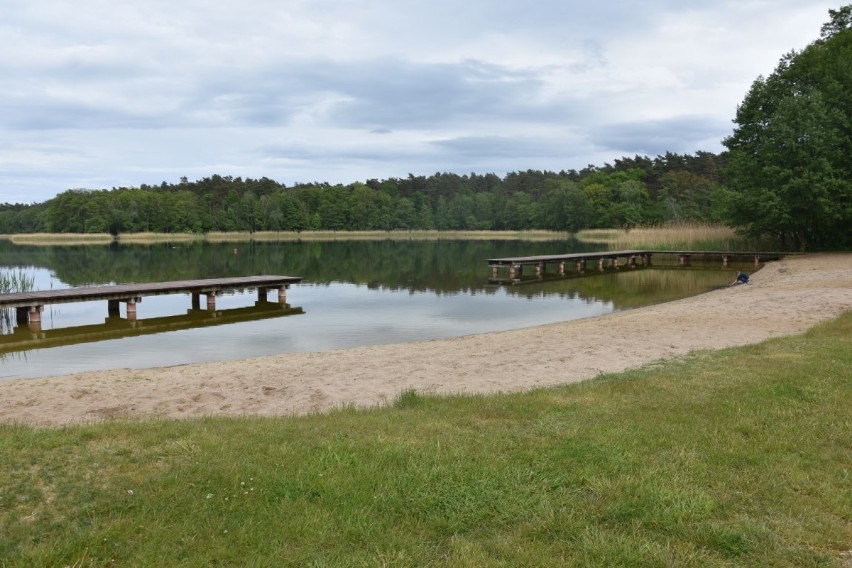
x=783, y=298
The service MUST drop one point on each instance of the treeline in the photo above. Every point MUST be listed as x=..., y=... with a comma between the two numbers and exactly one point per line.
x=629, y=192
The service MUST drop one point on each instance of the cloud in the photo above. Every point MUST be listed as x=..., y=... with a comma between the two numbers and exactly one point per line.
x=498, y=147
x=682, y=134
x=326, y=90
x=402, y=95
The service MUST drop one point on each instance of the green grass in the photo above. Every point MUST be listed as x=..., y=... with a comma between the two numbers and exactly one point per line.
x=741, y=457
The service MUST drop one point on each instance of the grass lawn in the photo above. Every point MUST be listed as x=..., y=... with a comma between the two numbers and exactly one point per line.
x=741, y=457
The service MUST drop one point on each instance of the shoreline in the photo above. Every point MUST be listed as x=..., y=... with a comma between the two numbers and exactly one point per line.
x=72, y=239
x=785, y=297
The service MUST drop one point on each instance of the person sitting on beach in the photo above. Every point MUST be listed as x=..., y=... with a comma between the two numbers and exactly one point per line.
x=742, y=278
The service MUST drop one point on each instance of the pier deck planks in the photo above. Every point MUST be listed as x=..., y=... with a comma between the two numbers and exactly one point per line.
x=125, y=291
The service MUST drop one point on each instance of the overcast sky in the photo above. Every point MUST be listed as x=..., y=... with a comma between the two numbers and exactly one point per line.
x=101, y=94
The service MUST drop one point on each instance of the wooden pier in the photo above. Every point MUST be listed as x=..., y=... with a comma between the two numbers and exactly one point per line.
x=564, y=263
x=29, y=305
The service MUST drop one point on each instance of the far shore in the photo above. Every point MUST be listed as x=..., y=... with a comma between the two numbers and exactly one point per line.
x=785, y=297
x=61, y=239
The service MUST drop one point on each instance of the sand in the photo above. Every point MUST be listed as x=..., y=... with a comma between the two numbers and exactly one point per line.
x=783, y=298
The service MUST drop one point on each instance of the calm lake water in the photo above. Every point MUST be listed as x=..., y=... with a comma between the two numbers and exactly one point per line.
x=354, y=293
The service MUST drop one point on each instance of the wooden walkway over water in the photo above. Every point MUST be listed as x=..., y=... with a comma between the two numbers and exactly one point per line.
x=29, y=305
x=613, y=259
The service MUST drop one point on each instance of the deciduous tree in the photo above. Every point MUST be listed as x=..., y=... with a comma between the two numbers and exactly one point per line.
x=790, y=159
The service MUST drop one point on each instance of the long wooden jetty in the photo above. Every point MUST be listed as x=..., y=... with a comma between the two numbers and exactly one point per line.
x=29, y=305
x=613, y=259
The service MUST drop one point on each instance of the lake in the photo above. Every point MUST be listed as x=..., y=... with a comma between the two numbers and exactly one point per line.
x=354, y=293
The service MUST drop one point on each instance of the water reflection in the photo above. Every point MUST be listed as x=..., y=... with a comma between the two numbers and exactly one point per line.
x=628, y=288
x=434, y=266
x=353, y=294
x=30, y=336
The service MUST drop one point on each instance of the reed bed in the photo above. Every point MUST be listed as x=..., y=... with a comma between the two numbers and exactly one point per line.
x=58, y=239
x=384, y=235
x=684, y=236
x=13, y=281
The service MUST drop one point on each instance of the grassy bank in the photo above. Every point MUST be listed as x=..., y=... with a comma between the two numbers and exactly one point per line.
x=56, y=239
x=733, y=458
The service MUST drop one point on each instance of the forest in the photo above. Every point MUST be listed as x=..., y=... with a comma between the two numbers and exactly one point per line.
x=630, y=192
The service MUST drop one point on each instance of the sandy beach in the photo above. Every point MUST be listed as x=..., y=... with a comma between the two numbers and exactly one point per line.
x=783, y=298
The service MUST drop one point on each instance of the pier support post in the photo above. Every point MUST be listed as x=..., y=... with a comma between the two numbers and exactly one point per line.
x=600, y=264
x=494, y=272
x=615, y=262
x=581, y=266
x=211, y=302
x=35, y=319
x=131, y=309
x=562, y=268
x=756, y=261
x=282, y=295
x=539, y=269
x=35, y=314
x=684, y=259
x=646, y=259
x=724, y=260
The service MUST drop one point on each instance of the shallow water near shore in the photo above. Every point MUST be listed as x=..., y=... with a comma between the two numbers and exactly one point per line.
x=353, y=294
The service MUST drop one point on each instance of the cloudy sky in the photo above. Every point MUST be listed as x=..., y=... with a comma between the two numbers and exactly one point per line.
x=101, y=94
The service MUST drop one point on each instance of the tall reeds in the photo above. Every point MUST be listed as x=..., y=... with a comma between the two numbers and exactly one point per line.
x=13, y=281
x=681, y=236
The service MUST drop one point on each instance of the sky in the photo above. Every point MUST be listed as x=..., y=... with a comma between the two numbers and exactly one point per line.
x=99, y=94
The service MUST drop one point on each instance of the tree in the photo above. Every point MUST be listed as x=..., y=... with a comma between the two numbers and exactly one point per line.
x=840, y=20
x=615, y=198
x=790, y=157
x=685, y=195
